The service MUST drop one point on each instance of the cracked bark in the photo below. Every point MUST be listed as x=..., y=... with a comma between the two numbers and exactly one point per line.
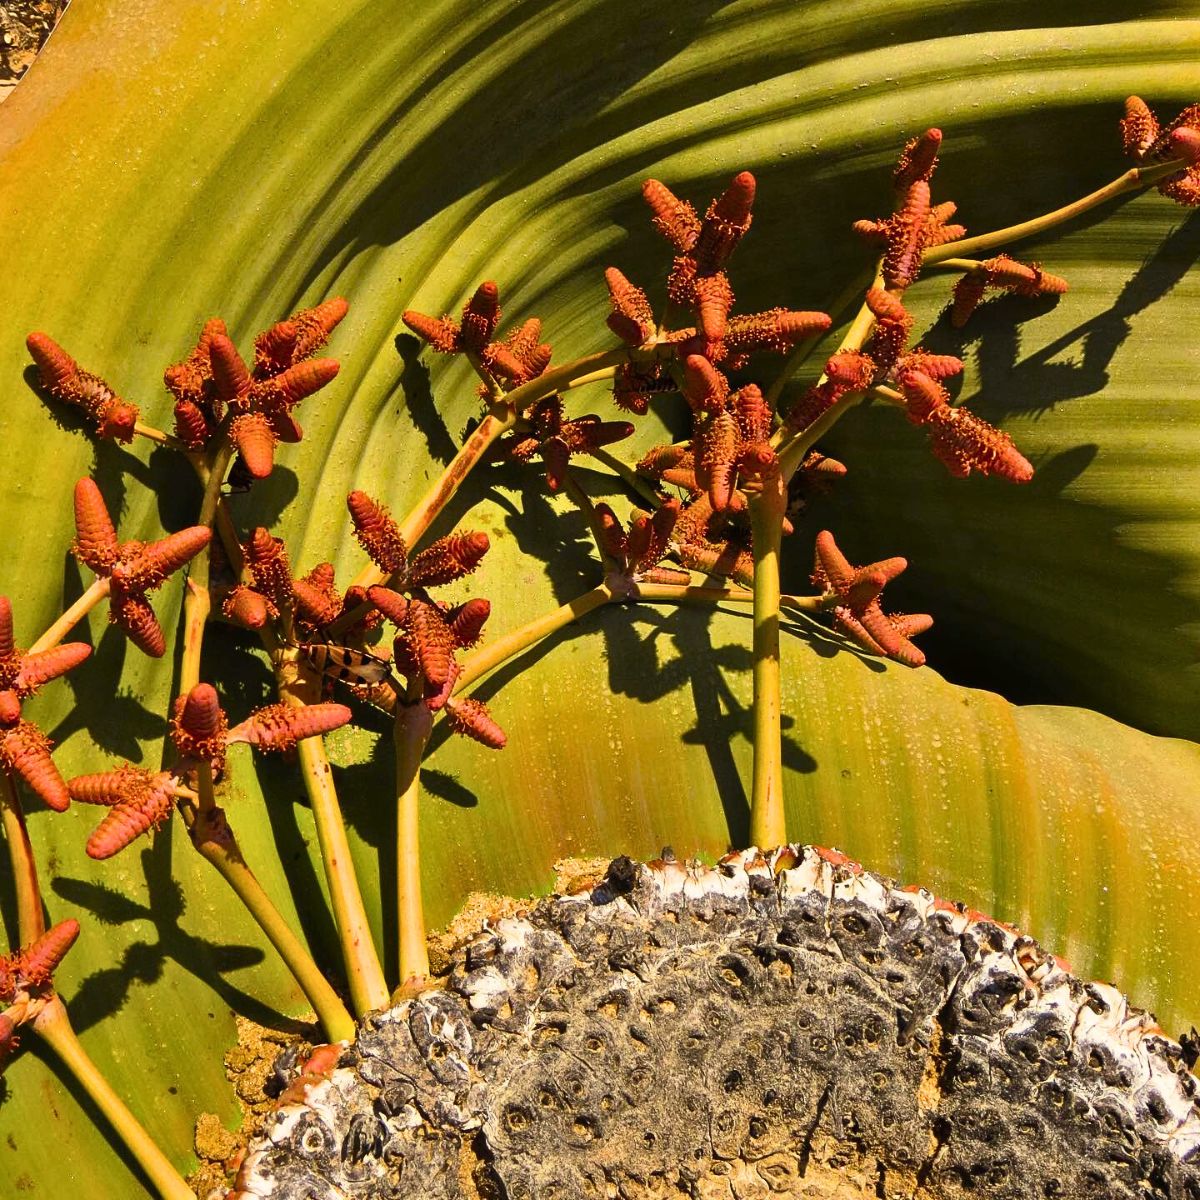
x=788, y=1026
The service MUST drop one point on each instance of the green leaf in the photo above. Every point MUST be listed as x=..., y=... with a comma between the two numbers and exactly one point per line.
x=164, y=163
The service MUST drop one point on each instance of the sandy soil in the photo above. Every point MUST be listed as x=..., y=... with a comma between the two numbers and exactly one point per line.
x=24, y=27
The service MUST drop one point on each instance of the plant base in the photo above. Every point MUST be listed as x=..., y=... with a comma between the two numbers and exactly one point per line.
x=780, y=1025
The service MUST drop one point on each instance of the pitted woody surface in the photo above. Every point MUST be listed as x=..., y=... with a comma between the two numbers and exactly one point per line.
x=737, y=1032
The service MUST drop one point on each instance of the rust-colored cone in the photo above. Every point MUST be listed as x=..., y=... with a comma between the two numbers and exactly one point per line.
x=448, y=558
x=132, y=612
x=39, y=962
x=96, y=543
x=252, y=434
x=25, y=751
x=299, y=382
x=228, y=368
x=377, y=533
x=199, y=725
x=248, y=608
x=392, y=604
x=281, y=726
x=466, y=622
x=40, y=668
x=56, y=367
x=481, y=316
x=7, y=645
x=314, y=325
x=469, y=716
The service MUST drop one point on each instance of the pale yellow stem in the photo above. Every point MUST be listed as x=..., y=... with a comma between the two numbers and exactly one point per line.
x=488, y=657
x=628, y=474
x=197, y=605
x=55, y=1029
x=213, y=838
x=767, y=821
x=364, y=973
x=156, y=435
x=1133, y=180
x=30, y=922
x=414, y=723
x=80, y=609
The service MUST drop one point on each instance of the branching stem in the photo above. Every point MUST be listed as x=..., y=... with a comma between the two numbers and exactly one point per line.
x=503, y=417
x=52, y=1022
x=793, y=447
x=213, y=838
x=364, y=973
x=197, y=603
x=805, y=346
x=642, y=486
x=488, y=657
x=583, y=502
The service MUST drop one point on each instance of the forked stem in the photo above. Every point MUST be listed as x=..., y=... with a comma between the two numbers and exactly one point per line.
x=631, y=478
x=500, y=420
x=487, y=658
x=197, y=603
x=612, y=591
x=792, y=447
x=364, y=972
x=414, y=722
x=55, y=1029
x=503, y=417
x=768, y=826
x=213, y=838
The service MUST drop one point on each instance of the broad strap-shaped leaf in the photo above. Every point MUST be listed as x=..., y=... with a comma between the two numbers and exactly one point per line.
x=160, y=167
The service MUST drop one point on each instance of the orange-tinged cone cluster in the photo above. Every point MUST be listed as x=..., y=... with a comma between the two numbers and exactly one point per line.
x=27, y=980
x=132, y=568
x=960, y=439
x=1146, y=141
x=214, y=383
x=139, y=800
x=857, y=611
x=24, y=748
x=1001, y=274
x=31, y=969
x=555, y=438
x=638, y=552
x=313, y=600
x=65, y=380
x=516, y=359
x=428, y=634
x=21, y=673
